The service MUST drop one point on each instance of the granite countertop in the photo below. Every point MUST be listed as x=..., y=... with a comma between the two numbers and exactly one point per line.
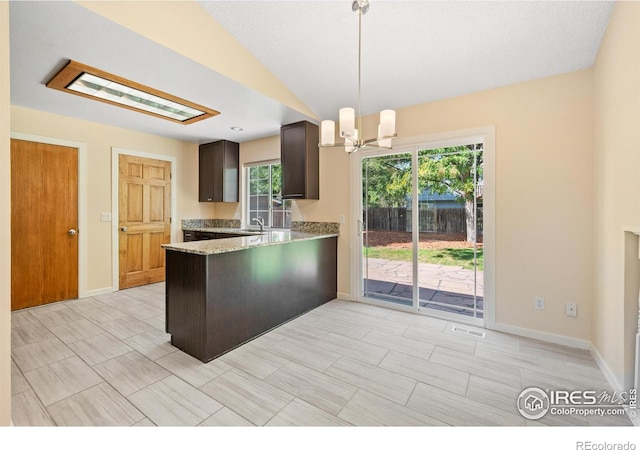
x=221, y=230
x=269, y=237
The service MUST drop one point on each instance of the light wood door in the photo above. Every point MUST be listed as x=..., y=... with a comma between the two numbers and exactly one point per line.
x=44, y=223
x=144, y=197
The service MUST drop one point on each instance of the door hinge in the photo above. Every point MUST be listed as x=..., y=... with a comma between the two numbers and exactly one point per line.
x=170, y=219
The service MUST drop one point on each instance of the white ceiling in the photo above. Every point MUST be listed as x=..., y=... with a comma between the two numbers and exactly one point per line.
x=413, y=52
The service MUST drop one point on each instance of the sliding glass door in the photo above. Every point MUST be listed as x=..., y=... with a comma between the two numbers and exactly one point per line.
x=386, y=243
x=421, y=229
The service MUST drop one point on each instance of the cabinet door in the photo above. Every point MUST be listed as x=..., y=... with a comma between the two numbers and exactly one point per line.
x=231, y=179
x=205, y=172
x=205, y=235
x=293, y=158
x=217, y=172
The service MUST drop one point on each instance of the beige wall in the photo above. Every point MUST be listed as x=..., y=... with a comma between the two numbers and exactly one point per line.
x=266, y=149
x=100, y=139
x=543, y=193
x=5, y=221
x=616, y=76
x=334, y=195
x=566, y=183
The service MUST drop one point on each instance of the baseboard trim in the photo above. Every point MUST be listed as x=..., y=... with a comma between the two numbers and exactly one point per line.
x=107, y=290
x=606, y=370
x=613, y=381
x=344, y=296
x=544, y=336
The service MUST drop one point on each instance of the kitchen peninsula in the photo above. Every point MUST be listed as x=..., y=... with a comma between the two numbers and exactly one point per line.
x=222, y=293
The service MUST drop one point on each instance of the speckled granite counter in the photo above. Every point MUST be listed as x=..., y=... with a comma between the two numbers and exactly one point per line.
x=215, y=246
x=210, y=223
x=227, y=230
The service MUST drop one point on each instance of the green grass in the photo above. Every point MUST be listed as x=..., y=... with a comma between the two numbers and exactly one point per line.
x=445, y=256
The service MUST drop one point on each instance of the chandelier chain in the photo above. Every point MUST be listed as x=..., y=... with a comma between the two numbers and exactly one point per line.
x=350, y=126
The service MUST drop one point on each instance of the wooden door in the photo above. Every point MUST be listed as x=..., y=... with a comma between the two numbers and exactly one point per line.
x=144, y=198
x=44, y=223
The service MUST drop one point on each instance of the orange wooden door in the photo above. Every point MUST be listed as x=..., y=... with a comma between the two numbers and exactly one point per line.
x=144, y=198
x=44, y=223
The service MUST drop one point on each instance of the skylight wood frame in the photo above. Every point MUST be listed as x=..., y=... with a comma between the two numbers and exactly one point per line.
x=74, y=70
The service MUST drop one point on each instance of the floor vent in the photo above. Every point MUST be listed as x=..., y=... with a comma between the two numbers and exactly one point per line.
x=467, y=331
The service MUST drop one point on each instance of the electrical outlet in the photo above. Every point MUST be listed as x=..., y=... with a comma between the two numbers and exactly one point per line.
x=571, y=309
x=538, y=302
x=105, y=217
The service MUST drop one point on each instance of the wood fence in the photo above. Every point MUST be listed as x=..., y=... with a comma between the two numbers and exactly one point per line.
x=443, y=220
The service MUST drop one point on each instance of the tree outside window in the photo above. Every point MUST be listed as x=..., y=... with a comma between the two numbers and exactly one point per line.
x=265, y=196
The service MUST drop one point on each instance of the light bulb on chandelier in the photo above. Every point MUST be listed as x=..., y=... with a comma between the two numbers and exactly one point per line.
x=350, y=131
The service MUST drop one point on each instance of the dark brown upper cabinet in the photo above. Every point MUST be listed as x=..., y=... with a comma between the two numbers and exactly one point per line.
x=218, y=172
x=299, y=157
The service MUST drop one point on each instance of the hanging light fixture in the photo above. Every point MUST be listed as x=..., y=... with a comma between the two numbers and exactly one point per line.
x=350, y=125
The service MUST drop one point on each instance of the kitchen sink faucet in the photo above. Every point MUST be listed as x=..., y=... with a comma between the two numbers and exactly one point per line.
x=260, y=222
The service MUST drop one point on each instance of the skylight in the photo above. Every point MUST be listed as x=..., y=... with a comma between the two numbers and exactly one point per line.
x=93, y=83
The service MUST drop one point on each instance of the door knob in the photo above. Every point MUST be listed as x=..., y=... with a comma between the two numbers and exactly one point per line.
x=72, y=232
x=124, y=229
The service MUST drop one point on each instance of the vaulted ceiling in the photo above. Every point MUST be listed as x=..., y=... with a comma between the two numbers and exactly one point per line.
x=412, y=52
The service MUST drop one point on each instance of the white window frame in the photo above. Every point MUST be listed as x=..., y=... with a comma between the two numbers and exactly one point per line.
x=247, y=195
x=446, y=139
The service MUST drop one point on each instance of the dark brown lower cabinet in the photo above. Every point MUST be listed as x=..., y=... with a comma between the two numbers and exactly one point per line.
x=215, y=303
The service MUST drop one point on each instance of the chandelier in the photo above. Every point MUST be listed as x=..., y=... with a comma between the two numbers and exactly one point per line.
x=350, y=129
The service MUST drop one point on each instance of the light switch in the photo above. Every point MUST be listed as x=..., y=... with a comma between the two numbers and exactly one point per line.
x=105, y=217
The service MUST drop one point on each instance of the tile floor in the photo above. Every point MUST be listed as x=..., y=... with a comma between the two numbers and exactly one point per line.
x=106, y=360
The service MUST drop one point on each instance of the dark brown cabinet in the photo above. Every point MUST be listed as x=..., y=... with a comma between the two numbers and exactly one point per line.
x=299, y=156
x=217, y=302
x=218, y=172
x=188, y=236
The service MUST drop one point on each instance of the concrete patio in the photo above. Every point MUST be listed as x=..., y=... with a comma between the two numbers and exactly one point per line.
x=452, y=287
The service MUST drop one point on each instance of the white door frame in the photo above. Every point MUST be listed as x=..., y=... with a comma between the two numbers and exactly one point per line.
x=115, y=213
x=446, y=139
x=83, y=241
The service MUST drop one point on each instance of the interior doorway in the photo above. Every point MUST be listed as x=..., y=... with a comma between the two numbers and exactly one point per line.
x=144, y=219
x=44, y=223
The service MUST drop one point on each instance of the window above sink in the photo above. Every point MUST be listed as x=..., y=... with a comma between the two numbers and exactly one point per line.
x=264, y=197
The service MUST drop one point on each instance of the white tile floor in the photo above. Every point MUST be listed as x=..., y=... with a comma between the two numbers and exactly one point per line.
x=106, y=360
